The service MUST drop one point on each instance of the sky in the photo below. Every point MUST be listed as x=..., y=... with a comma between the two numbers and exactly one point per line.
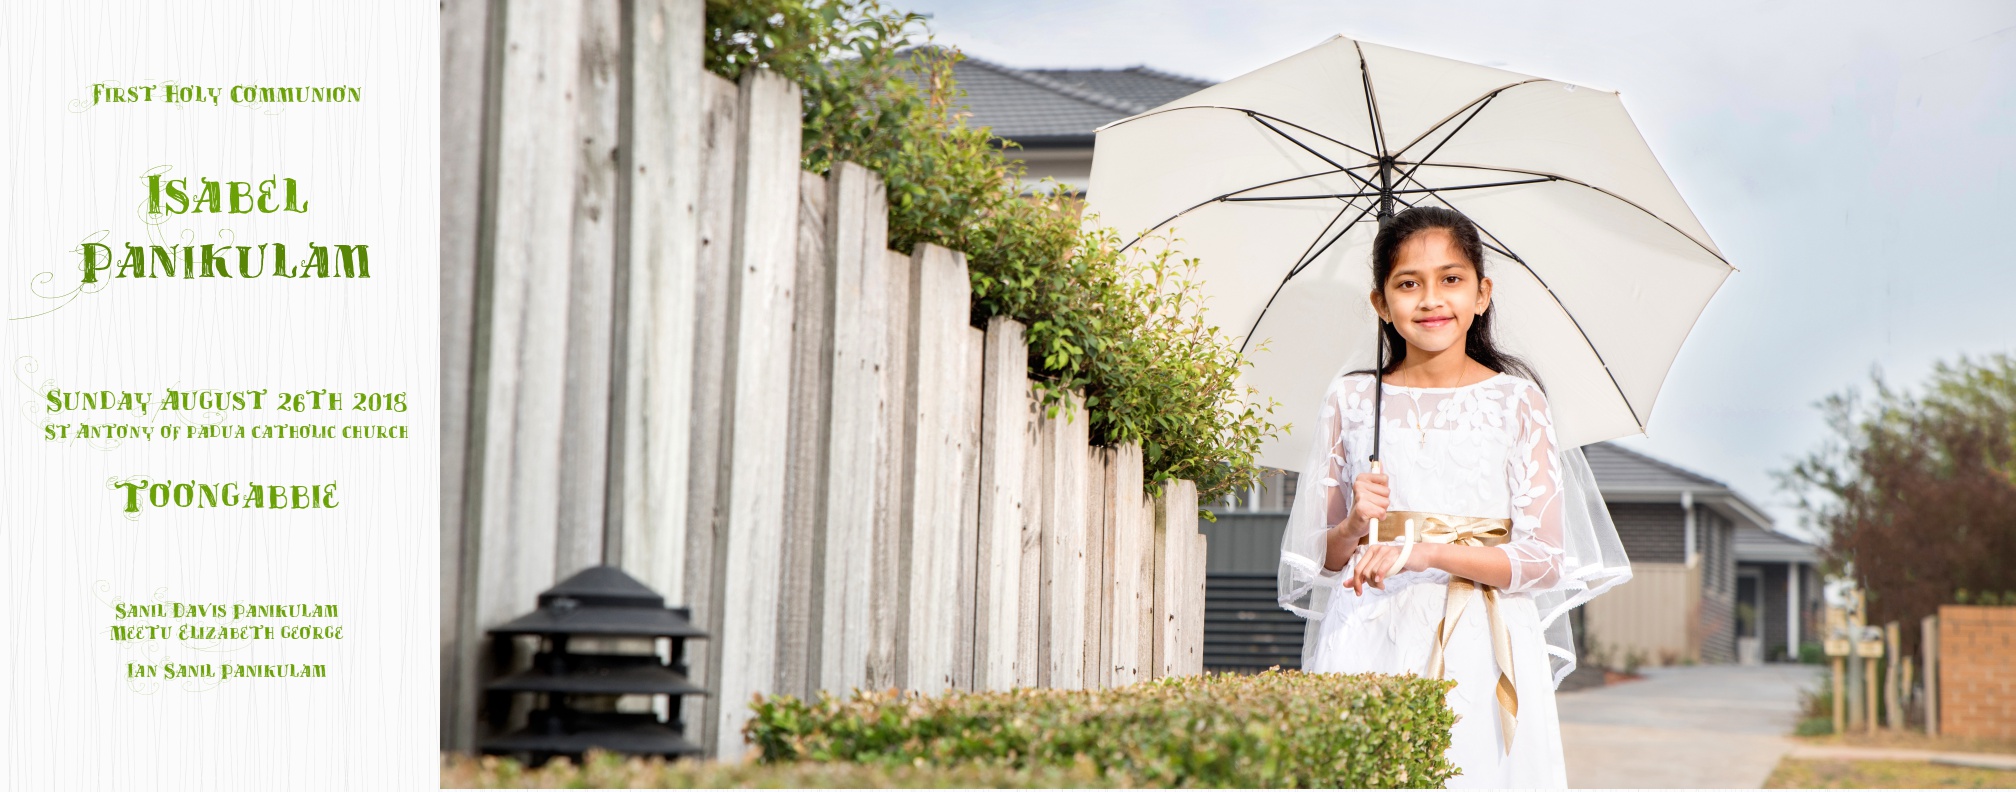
x=1856, y=164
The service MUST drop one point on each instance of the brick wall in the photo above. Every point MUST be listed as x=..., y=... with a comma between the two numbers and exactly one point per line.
x=1977, y=671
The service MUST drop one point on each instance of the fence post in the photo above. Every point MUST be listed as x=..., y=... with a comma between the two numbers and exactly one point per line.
x=591, y=292
x=1031, y=669
x=887, y=623
x=1061, y=630
x=1131, y=542
x=522, y=327
x=1098, y=567
x=1193, y=608
x=1893, y=704
x=467, y=28
x=1928, y=632
x=970, y=392
x=858, y=234
x=800, y=631
x=1004, y=427
x=938, y=360
x=708, y=451
x=758, y=410
x=661, y=182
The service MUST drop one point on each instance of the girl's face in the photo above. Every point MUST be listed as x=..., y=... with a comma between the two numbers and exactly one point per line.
x=1433, y=294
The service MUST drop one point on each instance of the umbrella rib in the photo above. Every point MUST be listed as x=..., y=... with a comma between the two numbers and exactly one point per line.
x=1304, y=259
x=1248, y=338
x=1291, y=138
x=1371, y=105
x=1487, y=96
x=1223, y=198
x=1245, y=111
x=1298, y=143
x=1409, y=175
x=1571, y=180
x=1384, y=192
x=1506, y=250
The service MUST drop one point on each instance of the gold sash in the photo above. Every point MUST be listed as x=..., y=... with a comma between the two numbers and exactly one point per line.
x=1476, y=532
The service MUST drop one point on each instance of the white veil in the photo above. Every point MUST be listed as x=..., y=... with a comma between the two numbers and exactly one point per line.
x=1592, y=559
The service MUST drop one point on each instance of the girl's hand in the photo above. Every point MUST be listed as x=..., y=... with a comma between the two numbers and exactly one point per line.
x=1368, y=502
x=1375, y=560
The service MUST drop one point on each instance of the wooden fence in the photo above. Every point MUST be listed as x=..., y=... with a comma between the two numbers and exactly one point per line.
x=668, y=348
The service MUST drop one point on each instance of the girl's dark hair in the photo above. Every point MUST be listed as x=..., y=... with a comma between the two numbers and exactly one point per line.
x=1478, y=344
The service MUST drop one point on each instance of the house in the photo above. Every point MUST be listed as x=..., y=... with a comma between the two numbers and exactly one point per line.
x=1778, y=577
x=1051, y=113
x=1694, y=596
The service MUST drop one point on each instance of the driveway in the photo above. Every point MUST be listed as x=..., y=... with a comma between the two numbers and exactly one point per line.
x=1708, y=726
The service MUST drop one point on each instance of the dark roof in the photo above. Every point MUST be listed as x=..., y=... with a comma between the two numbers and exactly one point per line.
x=1762, y=546
x=1628, y=475
x=1619, y=468
x=1061, y=107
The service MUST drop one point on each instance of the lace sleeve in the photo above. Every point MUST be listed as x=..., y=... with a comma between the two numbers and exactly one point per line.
x=1336, y=483
x=1534, y=476
x=1322, y=498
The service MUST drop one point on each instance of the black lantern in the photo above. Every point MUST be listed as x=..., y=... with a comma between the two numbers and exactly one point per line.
x=603, y=603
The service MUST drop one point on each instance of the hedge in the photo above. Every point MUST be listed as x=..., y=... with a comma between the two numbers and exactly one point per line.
x=1274, y=729
x=604, y=770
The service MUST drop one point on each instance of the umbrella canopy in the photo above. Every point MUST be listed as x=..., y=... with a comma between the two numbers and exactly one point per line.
x=1275, y=180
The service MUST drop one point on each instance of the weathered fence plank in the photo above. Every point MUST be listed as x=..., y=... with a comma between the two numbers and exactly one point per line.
x=1193, y=606
x=523, y=358
x=1062, y=632
x=591, y=293
x=664, y=102
x=1098, y=564
x=1004, y=426
x=765, y=241
x=1032, y=669
x=1131, y=543
x=939, y=312
x=468, y=29
x=805, y=463
x=1175, y=541
x=968, y=576
x=706, y=512
x=1144, y=600
x=888, y=622
x=858, y=238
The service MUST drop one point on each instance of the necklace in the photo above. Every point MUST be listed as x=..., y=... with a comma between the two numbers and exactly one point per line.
x=1420, y=423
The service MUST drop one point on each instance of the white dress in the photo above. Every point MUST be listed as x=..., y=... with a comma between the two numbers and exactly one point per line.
x=1481, y=450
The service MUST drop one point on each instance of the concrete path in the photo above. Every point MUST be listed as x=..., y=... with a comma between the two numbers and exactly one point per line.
x=1709, y=726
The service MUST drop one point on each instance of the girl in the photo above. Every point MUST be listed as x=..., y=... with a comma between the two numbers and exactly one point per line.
x=1487, y=532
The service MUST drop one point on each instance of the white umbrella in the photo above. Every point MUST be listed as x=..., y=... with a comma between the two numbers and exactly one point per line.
x=1276, y=179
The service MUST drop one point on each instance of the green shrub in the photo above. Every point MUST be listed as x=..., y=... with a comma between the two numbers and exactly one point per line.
x=1127, y=331
x=1818, y=702
x=1812, y=653
x=1274, y=729
x=1815, y=727
x=604, y=770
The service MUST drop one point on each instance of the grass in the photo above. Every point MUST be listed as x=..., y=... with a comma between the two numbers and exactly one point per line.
x=1842, y=774
x=1913, y=740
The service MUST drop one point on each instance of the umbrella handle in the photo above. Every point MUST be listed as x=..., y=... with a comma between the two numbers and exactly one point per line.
x=1406, y=540
x=1406, y=549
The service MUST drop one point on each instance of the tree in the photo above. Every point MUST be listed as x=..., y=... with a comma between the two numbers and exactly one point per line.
x=1917, y=494
x=1127, y=330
